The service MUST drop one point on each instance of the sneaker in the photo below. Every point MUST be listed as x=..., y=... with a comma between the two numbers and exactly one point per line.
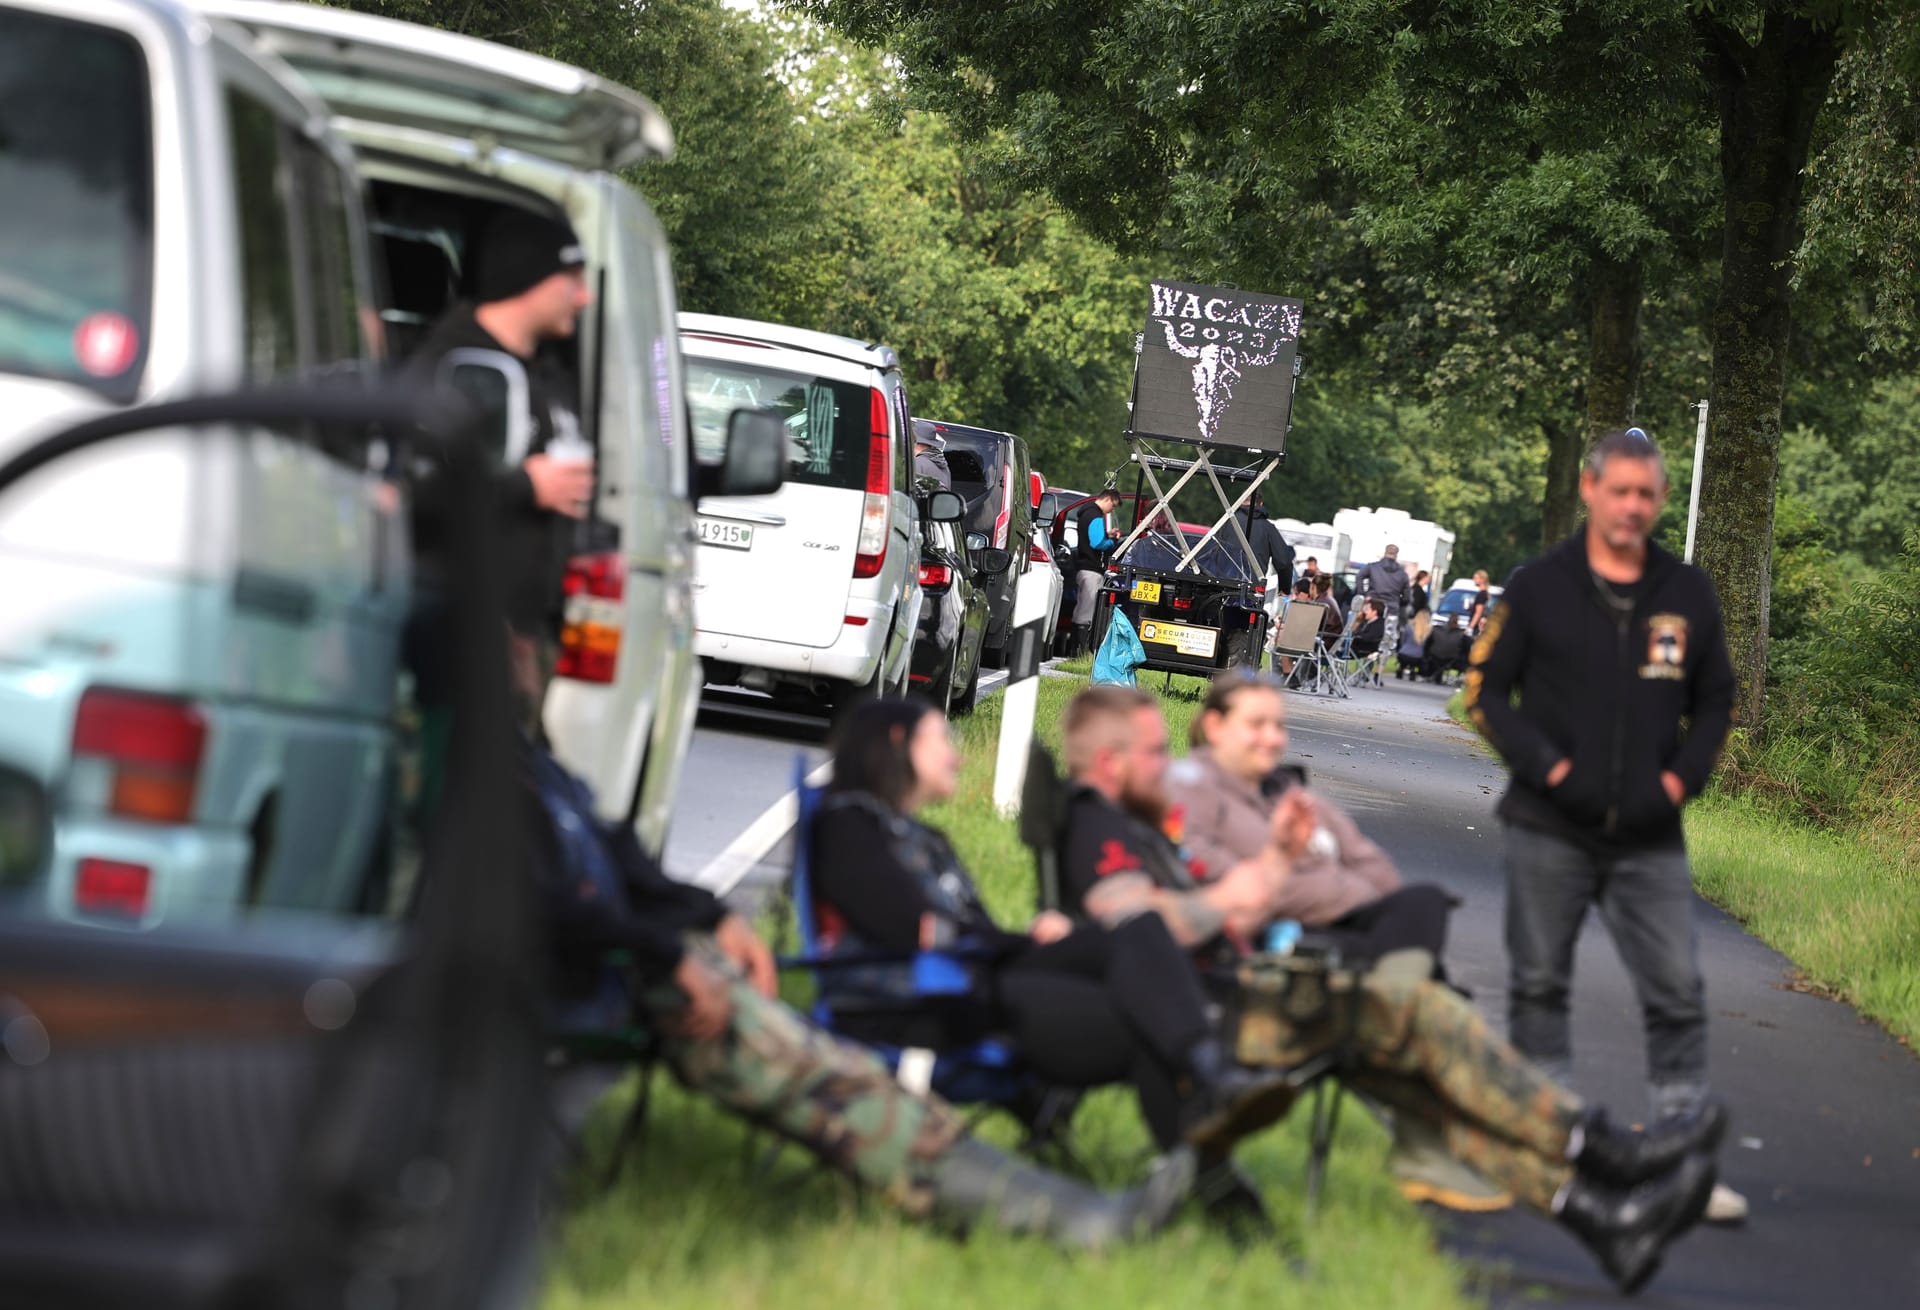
x=1427, y=1174
x=1725, y=1206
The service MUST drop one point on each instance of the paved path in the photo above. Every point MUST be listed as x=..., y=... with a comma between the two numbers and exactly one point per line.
x=1826, y=1134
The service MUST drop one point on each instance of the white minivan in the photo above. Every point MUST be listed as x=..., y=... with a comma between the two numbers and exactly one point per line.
x=814, y=590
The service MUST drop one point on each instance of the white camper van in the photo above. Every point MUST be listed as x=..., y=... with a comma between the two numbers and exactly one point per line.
x=1423, y=544
x=209, y=195
x=1324, y=542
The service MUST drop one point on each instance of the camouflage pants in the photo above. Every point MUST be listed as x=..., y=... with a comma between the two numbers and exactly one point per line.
x=834, y=1098
x=1428, y=1053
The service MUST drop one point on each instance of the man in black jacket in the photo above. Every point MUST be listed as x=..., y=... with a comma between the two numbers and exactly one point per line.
x=1626, y=695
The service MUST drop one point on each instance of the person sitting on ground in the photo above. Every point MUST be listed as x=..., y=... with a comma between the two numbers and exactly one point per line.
x=703, y=982
x=1414, y=1045
x=1086, y=1005
x=1446, y=651
x=1411, y=652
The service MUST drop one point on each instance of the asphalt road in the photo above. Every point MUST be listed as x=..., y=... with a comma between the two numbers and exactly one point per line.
x=1826, y=1132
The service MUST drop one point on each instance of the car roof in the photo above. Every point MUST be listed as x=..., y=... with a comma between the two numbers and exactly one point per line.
x=756, y=332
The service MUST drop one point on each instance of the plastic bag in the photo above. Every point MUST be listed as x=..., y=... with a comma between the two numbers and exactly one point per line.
x=1120, y=652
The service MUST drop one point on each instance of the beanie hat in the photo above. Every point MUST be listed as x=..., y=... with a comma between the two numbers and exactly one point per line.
x=518, y=249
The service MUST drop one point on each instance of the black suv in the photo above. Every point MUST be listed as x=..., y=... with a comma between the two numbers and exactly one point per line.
x=990, y=470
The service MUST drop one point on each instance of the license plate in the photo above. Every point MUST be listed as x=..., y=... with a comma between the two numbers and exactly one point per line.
x=728, y=536
x=1147, y=591
x=1183, y=637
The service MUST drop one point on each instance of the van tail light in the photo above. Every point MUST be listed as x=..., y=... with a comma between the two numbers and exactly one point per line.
x=935, y=575
x=144, y=752
x=1036, y=490
x=112, y=887
x=1183, y=602
x=871, y=551
x=1035, y=555
x=1005, y=516
x=596, y=589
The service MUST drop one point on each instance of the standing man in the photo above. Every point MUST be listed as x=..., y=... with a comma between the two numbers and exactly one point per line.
x=1612, y=644
x=1386, y=581
x=930, y=453
x=1090, y=562
x=529, y=285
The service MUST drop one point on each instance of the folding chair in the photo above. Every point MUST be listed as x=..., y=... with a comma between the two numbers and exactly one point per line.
x=987, y=1074
x=1299, y=640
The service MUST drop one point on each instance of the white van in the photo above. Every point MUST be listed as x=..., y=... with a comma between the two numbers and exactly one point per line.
x=814, y=590
x=193, y=627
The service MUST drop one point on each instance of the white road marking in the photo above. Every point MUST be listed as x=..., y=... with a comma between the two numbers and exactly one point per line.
x=724, y=871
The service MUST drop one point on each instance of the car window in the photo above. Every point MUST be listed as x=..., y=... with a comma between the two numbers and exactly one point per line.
x=76, y=224
x=903, y=438
x=327, y=246
x=828, y=434
x=263, y=186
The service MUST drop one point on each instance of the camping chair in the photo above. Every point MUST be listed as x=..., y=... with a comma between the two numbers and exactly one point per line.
x=987, y=1074
x=1299, y=639
x=1045, y=801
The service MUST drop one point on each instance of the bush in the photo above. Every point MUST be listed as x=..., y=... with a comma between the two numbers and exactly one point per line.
x=1841, y=740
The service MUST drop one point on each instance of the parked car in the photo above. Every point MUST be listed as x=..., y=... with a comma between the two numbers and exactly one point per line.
x=992, y=471
x=1459, y=599
x=813, y=591
x=954, y=567
x=1046, y=573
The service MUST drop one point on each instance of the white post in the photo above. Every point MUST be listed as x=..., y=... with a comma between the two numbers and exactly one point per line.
x=1699, y=463
x=1022, y=696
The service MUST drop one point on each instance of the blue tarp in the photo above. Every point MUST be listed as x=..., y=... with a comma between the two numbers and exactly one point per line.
x=1120, y=651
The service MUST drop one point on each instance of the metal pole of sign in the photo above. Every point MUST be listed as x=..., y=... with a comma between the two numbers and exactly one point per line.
x=1699, y=463
x=1021, y=699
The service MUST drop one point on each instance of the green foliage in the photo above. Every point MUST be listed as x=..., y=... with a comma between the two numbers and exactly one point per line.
x=1804, y=578
x=1862, y=481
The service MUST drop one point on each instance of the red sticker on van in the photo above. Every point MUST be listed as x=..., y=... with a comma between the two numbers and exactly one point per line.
x=106, y=344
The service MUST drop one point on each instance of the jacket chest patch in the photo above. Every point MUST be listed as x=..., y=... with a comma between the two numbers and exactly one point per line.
x=1666, y=648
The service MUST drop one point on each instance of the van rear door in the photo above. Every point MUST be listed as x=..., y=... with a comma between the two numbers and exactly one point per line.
x=375, y=70
x=779, y=567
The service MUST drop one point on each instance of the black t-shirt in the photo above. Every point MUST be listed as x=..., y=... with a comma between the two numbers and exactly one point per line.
x=537, y=541
x=1104, y=840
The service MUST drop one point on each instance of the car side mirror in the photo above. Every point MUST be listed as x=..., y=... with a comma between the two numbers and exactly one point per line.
x=755, y=463
x=976, y=542
x=495, y=384
x=992, y=561
x=946, y=507
x=1048, y=510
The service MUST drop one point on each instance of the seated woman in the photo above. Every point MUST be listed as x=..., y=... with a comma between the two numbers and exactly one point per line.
x=1227, y=790
x=1086, y=1006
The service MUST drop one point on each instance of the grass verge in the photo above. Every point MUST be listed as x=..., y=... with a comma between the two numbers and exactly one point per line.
x=694, y=1224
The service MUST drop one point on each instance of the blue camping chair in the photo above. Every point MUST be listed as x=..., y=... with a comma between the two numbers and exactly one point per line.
x=987, y=1075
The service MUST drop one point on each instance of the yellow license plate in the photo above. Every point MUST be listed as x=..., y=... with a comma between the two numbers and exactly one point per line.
x=1185, y=638
x=1147, y=591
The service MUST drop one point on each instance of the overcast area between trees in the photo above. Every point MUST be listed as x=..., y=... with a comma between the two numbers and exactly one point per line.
x=1513, y=225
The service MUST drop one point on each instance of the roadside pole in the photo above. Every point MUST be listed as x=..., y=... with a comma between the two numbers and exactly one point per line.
x=1022, y=696
x=1699, y=462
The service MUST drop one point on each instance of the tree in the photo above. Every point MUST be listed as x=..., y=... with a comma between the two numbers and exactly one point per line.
x=1210, y=124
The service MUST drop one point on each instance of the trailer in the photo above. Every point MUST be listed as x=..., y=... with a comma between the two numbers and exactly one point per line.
x=1214, y=377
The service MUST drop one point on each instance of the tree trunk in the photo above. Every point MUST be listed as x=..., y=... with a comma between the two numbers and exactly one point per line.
x=1613, y=382
x=1566, y=443
x=1770, y=94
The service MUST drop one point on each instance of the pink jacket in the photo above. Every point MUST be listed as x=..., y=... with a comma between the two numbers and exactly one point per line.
x=1223, y=821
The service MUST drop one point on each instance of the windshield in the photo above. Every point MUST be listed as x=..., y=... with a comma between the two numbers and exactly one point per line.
x=76, y=227
x=828, y=435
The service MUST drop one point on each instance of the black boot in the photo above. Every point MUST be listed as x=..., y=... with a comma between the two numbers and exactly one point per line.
x=1623, y=1158
x=1082, y=639
x=974, y=1183
x=1627, y=1230
x=1229, y=1101
x=1232, y=1201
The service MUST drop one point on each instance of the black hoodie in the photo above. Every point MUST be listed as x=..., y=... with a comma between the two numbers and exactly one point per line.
x=1608, y=690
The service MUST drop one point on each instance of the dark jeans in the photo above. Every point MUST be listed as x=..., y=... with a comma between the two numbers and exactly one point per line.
x=1101, y=1006
x=1414, y=916
x=1646, y=899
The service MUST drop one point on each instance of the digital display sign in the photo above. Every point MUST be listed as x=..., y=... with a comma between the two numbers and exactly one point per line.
x=1216, y=366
